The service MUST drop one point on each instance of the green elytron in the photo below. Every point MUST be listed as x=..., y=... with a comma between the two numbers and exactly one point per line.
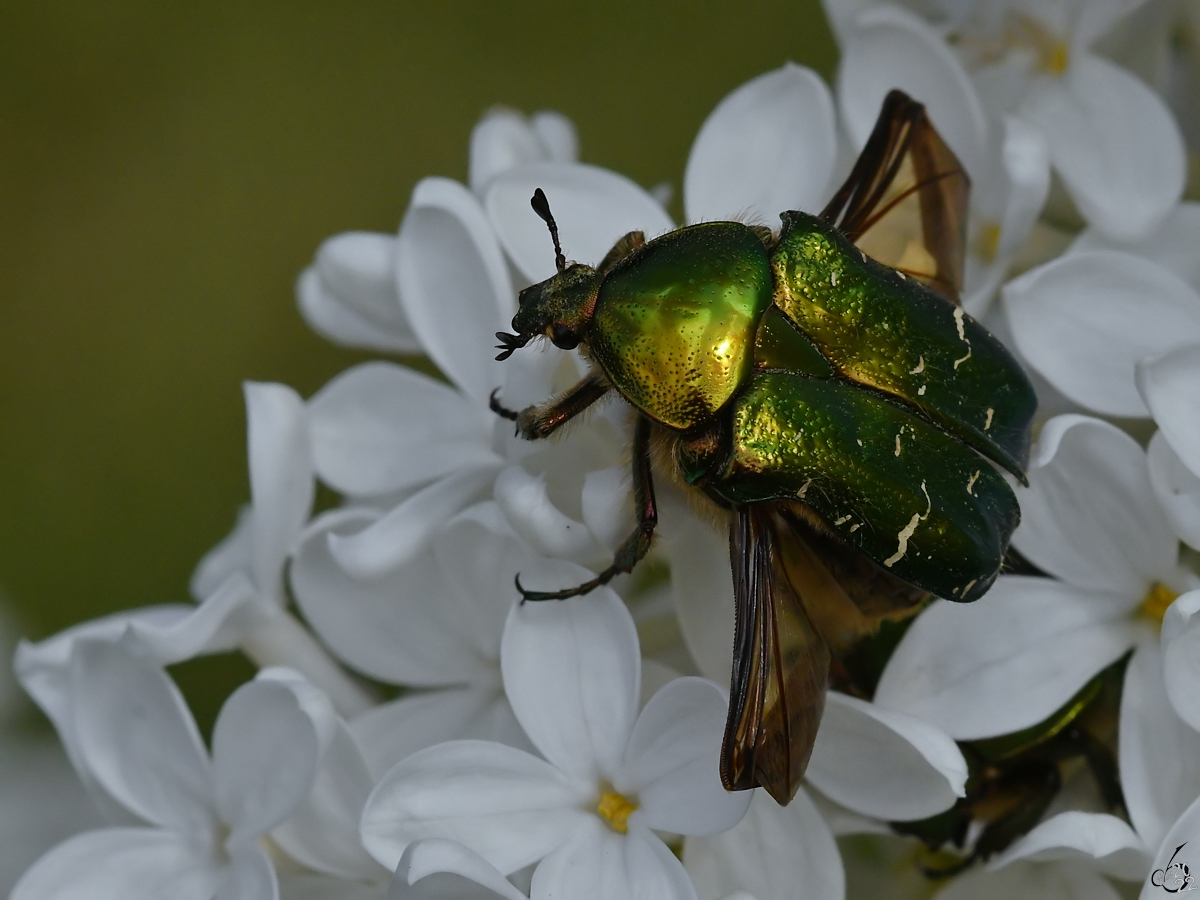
x=846, y=414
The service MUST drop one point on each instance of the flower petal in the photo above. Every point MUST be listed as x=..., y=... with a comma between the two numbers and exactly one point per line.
x=251, y=876
x=769, y=146
x=701, y=585
x=397, y=537
x=281, y=479
x=1114, y=142
x=1159, y=753
x=1090, y=515
x=593, y=207
x=501, y=140
x=557, y=134
x=884, y=763
x=390, y=629
x=1176, y=487
x=1181, y=656
x=1025, y=161
x=1084, y=320
x=606, y=501
x=265, y=753
x=775, y=853
x=526, y=503
x=572, y=674
x=1031, y=881
x=138, y=739
x=1006, y=661
x=122, y=864
x=602, y=865
x=379, y=428
x=349, y=293
x=323, y=831
x=508, y=806
x=333, y=319
x=889, y=47
x=391, y=731
x=1107, y=841
x=234, y=553
x=435, y=868
x=673, y=761
x=1168, y=384
x=454, y=285
x=1172, y=244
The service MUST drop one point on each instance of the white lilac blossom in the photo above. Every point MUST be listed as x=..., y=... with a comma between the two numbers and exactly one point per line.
x=189, y=822
x=608, y=776
x=1111, y=139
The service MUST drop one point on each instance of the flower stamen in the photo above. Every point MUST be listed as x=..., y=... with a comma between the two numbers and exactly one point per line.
x=1154, y=604
x=615, y=809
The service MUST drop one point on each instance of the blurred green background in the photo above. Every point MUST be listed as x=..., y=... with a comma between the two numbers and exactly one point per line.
x=166, y=171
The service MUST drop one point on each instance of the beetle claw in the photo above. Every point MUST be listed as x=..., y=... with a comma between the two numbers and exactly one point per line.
x=503, y=411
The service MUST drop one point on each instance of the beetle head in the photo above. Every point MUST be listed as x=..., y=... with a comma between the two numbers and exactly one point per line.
x=559, y=307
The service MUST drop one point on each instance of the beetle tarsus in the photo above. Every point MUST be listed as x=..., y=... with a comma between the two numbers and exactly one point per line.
x=502, y=411
x=578, y=591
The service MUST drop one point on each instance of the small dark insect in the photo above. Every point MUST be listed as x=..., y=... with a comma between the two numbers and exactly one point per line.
x=823, y=387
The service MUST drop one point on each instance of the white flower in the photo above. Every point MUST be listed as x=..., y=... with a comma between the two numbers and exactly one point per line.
x=1111, y=138
x=1005, y=155
x=190, y=823
x=435, y=624
x=609, y=776
x=1084, y=320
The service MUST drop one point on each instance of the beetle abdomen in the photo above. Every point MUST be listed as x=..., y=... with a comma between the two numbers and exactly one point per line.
x=675, y=321
x=880, y=329
x=917, y=501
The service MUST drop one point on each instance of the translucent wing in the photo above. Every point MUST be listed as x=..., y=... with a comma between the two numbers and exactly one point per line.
x=905, y=202
x=780, y=668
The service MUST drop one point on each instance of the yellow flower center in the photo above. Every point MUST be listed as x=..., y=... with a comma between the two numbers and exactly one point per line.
x=615, y=809
x=1053, y=53
x=1154, y=604
x=987, y=242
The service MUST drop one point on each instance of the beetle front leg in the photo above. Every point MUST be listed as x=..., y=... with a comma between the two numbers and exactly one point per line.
x=542, y=420
x=634, y=547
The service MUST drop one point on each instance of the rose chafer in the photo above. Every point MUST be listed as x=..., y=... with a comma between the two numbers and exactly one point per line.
x=823, y=387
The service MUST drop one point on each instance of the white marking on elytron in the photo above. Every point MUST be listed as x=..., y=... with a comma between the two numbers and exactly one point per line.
x=907, y=531
x=842, y=521
x=962, y=336
x=804, y=489
x=988, y=424
x=887, y=327
x=971, y=483
x=921, y=391
x=863, y=255
x=856, y=526
x=897, y=445
x=903, y=277
x=860, y=443
x=920, y=367
x=967, y=587
x=833, y=278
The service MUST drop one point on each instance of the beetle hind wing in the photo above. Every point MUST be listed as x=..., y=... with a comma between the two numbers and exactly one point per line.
x=781, y=666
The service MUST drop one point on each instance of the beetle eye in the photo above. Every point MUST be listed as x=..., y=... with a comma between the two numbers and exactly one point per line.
x=563, y=338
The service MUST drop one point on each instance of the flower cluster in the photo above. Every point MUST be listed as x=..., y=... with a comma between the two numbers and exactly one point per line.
x=1037, y=742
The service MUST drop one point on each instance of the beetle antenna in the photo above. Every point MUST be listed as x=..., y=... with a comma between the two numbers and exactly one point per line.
x=541, y=206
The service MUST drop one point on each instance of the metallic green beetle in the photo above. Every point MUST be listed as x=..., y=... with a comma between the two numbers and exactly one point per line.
x=822, y=386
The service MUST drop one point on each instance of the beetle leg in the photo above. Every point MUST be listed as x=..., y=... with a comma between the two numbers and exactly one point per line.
x=634, y=547
x=542, y=420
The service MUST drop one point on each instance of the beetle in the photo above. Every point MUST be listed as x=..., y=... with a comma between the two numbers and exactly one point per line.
x=823, y=386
